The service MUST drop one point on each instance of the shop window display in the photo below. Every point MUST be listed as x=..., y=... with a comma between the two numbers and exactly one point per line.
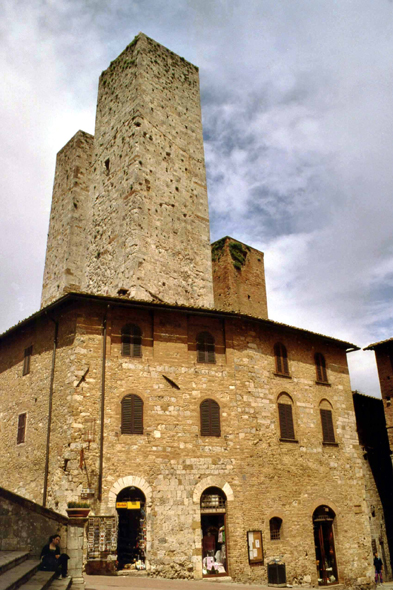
x=131, y=539
x=214, y=533
x=323, y=520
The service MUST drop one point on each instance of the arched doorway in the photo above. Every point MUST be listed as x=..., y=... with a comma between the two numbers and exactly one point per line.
x=323, y=519
x=214, y=533
x=131, y=537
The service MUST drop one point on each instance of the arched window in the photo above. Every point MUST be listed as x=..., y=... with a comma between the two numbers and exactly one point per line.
x=280, y=353
x=326, y=412
x=285, y=414
x=131, y=414
x=210, y=418
x=131, y=340
x=275, y=528
x=205, y=348
x=320, y=366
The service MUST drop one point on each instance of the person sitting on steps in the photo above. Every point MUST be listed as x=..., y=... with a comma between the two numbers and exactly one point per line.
x=51, y=558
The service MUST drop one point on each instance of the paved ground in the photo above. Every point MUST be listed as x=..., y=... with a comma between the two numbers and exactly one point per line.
x=136, y=583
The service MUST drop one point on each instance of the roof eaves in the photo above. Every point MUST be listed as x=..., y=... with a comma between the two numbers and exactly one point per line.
x=162, y=305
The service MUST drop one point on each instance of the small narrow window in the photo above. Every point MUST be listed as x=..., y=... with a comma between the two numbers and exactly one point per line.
x=206, y=348
x=320, y=365
x=26, y=360
x=280, y=353
x=21, y=429
x=132, y=415
x=327, y=426
x=287, y=431
x=131, y=340
x=210, y=418
x=275, y=528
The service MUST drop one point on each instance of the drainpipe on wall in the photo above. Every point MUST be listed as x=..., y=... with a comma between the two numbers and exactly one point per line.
x=102, y=417
x=52, y=378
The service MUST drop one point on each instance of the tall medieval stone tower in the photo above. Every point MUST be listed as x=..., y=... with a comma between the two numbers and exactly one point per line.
x=129, y=212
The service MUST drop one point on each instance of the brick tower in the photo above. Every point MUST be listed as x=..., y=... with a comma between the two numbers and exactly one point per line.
x=142, y=228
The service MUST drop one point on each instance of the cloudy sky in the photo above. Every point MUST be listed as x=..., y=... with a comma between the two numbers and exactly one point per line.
x=297, y=107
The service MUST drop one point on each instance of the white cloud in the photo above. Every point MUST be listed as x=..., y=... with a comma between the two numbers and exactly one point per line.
x=298, y=119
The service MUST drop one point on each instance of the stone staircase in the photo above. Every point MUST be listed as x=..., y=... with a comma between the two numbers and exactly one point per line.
x=18, y=570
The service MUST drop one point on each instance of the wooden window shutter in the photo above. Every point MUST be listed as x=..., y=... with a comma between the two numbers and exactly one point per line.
x=327, y=426
x=21, y=429
x=280, y=352
x=286, y=421
x=26, y=360
x=205, y=348
x=320, y=365
x=131, y=341
x=210, y=418
x=132, y=415
x=138, y=415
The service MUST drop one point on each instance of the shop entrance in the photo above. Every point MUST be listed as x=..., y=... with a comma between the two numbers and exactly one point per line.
x=131, y=537
x=323, y=519
x=214, y=533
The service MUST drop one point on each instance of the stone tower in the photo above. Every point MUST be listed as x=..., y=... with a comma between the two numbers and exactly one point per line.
x=141, y=222
x=239, y=278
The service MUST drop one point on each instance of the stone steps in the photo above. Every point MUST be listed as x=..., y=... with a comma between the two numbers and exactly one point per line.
x=9, y=559
x=18, y=571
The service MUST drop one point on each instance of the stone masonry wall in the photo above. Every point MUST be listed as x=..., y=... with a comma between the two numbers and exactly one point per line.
x=149, y=237
x=66, y=248
x=376, y=518
x=27, y=526
x=383, y=355
x=172, y=463
x=239, y=278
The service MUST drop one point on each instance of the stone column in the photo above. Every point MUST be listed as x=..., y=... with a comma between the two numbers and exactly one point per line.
x=75, y=537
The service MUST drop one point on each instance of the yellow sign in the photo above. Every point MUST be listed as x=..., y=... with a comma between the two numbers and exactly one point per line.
x=129, y=505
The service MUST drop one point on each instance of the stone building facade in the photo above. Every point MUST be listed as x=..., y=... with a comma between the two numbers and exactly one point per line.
x=208, y=439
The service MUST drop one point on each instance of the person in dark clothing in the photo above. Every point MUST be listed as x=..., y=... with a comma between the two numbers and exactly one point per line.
x=51, y=558
x=378, y=569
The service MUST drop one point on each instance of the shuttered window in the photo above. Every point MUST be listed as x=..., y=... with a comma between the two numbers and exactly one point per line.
x=21, y=429
x=280, y=353
x=131, y=340
x=132, y=415
x=327, y=426
x=210, y=418
x=320, y=365
x=26, y=360
x=205, y=348
x=287, y=430
x=275, y=528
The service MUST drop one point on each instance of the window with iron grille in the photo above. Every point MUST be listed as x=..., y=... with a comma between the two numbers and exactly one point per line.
x=327, y=426
x=213, y=500
x=320, y=365
x=205, y=348
x=210, y=418
x=275, y=528
x=21, y=436
x=26, y=360
x=132, y=414
x=280, y=353
x=287, y=431
x=131, y=340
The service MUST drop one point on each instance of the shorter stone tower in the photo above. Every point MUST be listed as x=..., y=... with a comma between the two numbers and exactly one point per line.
x=67, y=239
x=239, y=278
